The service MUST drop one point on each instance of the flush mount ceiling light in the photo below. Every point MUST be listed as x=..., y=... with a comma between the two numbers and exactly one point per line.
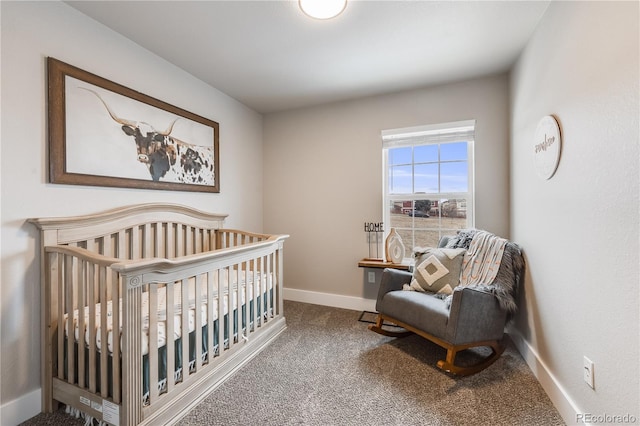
x=322, y=9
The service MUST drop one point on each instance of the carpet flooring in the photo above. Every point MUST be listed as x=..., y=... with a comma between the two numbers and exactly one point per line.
x=327, y=368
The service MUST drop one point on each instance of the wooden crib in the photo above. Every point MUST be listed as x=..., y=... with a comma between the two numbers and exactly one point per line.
x=139, y=267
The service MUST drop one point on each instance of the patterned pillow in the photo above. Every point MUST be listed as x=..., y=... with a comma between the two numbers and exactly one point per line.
x=437, y=270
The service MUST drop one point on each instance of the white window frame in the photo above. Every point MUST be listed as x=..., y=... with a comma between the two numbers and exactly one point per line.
x=459, y=131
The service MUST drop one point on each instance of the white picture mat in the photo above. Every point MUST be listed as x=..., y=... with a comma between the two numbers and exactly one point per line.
x=96, y=144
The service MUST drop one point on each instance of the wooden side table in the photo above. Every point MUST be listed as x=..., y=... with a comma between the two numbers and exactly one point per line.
x=381, y=264
x=378, y=264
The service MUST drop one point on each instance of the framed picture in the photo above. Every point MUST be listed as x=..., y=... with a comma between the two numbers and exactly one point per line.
x=102, y=133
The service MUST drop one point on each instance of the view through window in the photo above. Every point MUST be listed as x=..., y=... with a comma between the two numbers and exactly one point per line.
x=428, y=182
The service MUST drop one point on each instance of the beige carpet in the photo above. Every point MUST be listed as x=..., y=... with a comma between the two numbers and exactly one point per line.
x=327, y=368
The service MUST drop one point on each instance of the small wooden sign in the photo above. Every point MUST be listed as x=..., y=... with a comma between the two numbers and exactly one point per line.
x=547, y=145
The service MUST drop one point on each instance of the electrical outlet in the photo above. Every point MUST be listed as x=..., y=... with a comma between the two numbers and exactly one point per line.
x=372, y=277
x=588, y=372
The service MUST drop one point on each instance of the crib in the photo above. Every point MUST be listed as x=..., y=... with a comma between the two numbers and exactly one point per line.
x=146, y=309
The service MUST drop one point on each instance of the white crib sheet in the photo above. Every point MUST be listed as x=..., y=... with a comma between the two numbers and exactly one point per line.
x=162, y=309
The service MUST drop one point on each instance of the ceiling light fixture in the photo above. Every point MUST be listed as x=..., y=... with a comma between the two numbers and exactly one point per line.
x=322, y=9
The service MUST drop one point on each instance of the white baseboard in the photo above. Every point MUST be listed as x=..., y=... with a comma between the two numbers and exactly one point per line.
x=556, y=392
x=328, y=299
x=21, y=409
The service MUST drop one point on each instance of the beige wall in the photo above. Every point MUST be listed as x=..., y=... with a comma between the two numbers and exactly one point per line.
x=579, y=230
x=30, y=33
x=323, y=178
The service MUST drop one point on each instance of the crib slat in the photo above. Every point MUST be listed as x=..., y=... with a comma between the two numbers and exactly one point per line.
x=93, y=245
x=260, y=277
x=82, y=283
x=266, y=286
x=263, y=277
x=188, y=249
x=211, y=240
x=92, y=328
x=69, y=308
x=238, y=305
x=184, y=315
x=134, y=246
x=199, y=238
x=157, y=243
x=115, y=292
x=121, y=250
x=60, y=325
x=153, y=343
x=232, y=285
x=170, y=337
x=206, y=239
x=104, y=349
x=179, y=240
x=216, y=239
x=263, y=289
x=221, y=322
x=198, y=321
x=210, y=319
x=170, y=241
x=220, y=239
x=147, y=248
x=109, y=250
x=255, y=292
x=230, y=314
x=271, y=285
x=245, y=317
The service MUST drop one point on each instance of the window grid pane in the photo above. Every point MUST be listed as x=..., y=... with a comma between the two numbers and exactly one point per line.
x=433, y=190
x=400, y=179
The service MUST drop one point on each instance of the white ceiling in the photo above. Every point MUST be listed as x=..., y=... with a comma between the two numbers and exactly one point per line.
x=272, y=57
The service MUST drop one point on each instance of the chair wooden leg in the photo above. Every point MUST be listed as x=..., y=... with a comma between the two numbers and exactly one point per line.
x=497, y=348
x=377, y=327
x=448, y=364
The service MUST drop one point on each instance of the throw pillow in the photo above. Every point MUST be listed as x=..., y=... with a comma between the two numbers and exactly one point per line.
x=437, y=270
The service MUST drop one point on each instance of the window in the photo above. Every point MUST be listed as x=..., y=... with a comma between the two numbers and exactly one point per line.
x=428, y=182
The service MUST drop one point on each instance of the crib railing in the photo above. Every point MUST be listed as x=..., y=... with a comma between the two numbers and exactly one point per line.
x=226, y=238
x=238, y=286
x=79, y=286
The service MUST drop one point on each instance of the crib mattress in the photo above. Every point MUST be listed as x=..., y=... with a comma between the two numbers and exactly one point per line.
x=265, y=284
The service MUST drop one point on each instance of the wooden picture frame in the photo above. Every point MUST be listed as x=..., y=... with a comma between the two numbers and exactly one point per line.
x=104, y=134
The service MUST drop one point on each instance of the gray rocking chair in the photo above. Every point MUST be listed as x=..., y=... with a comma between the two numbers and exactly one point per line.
x=476, y=316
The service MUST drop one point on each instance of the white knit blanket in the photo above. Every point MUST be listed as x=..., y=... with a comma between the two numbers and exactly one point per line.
x=482, y=261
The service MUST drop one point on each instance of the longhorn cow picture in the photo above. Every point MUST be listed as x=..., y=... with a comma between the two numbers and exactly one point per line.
x=111, y=138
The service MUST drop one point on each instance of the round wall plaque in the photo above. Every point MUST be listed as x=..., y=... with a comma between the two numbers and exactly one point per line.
x=547, y=145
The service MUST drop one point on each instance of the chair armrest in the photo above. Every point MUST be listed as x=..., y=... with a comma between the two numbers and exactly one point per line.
x=392, y=279
x=475, y=315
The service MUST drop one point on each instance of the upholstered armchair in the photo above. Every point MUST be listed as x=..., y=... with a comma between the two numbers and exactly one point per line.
x=470, y=315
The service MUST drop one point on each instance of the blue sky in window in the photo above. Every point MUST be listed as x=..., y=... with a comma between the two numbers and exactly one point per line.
x=453, y=175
